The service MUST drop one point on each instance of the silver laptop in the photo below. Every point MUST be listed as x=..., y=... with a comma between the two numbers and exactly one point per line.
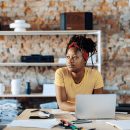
x=95, y=106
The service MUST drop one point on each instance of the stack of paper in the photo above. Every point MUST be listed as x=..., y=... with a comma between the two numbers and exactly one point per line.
x=60, y=112
x=47, y=123
x=120, y=124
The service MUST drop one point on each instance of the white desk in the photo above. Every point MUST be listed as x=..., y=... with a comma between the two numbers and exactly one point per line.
x=99, y=125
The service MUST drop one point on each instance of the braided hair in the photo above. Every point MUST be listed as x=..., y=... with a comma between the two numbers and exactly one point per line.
x=87, y=44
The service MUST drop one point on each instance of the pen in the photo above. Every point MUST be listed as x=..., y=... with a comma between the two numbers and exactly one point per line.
x=112, y=124
x=46, y=112
x=35, y=110
x=81, y=121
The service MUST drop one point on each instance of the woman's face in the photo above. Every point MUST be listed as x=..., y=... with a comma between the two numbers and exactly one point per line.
x=74, y=60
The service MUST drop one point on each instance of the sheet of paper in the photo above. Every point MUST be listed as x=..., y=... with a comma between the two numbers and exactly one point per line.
x=47, y=123
x=120, y=124
x=59, y=112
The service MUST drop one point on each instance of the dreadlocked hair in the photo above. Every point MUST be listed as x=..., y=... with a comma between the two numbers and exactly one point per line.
x=84, y=43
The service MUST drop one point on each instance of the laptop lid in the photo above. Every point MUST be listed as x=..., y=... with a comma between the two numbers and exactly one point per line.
x=95, y=106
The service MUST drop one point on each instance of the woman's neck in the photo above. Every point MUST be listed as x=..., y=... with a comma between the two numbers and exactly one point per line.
x=78, y=76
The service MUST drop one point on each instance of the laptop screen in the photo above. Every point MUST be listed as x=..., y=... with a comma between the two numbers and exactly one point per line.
x=95, y=106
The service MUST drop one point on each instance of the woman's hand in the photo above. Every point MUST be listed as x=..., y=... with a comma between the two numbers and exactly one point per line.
x=98, y=91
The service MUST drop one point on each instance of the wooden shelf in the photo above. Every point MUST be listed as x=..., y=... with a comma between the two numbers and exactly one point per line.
x=26, y=95
x=56, y=32
x=30, y=64
x=21, y=64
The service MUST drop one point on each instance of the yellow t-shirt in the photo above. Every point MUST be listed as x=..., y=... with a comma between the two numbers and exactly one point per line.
x=92, y=80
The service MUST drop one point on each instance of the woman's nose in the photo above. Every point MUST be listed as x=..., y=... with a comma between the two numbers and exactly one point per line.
x=70, y=60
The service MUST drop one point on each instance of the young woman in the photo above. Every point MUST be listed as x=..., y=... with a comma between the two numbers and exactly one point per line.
x=76, y=78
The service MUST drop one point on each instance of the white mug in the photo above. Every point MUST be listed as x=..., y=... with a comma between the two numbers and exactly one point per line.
x=16, y=86
x=2, y=88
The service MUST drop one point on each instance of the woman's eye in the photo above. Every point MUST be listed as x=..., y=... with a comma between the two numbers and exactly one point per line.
x=67, y=57
x=75, y=57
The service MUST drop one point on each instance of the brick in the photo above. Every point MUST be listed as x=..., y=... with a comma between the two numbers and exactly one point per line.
x=122, y=3
x=2, y=38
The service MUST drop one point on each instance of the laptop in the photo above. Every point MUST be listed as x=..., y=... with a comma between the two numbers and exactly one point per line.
x=95, y=106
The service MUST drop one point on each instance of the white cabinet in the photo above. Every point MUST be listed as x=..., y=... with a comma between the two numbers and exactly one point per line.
x=96, y=33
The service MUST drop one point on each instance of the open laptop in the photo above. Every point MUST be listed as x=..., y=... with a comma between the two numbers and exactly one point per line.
x=95, y=106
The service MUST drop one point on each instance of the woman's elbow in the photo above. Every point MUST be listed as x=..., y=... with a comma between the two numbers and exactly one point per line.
x=61, y=105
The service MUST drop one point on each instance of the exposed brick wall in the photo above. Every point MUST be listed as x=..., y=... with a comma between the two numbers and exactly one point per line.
x=112, y=17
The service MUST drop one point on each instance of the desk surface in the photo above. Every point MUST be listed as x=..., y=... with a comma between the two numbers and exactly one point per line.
x=99, y=125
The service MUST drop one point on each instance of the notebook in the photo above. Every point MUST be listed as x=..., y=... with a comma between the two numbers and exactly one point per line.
x=95, y=106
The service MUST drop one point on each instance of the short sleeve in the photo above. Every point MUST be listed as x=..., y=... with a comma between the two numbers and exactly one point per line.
x=99, y=80
x=59, y=80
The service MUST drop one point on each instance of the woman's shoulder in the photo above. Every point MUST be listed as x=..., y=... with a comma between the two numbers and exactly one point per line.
x=62, y=70
x=91, y=70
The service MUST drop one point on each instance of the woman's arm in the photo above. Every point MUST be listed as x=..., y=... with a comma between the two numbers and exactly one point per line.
x=98, y=91
x=98, y=87
x=62, y=99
